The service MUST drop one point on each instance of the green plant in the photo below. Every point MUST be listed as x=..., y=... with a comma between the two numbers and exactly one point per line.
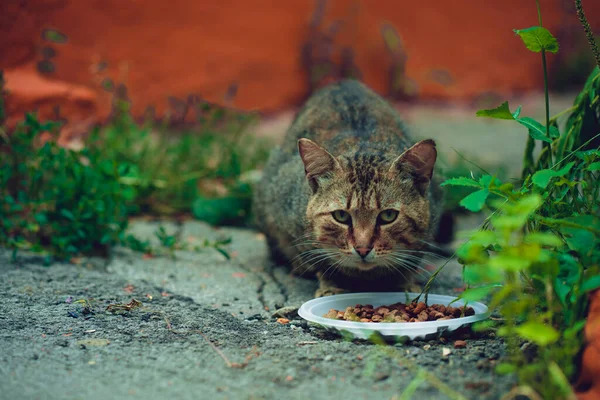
x=56, y=198
x=177, y=172
x=538, y=254
x=65, y=203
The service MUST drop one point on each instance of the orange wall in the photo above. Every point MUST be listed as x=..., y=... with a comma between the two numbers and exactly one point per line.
x=173, y=48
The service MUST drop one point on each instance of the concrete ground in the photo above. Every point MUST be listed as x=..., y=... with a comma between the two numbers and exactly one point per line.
x=205, y=330
x=205, y=327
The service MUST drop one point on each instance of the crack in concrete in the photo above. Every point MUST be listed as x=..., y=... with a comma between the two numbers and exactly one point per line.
x=261, y=285
x=282, y=288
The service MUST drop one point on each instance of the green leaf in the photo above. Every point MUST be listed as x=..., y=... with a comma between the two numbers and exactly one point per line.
x=220, y=211
x=537, y=39
x=536, y=130
x=500, y=112
x=565, y=169
x=542, y=177
x=539, y=333
x=592, y=283
x=571, y=332
x=480, y=274
x=484, y=238
x=67, y=214
x=509, y=262
x=41, y=218
x=476, y=294
x=506, y=368
x=475, y=201
x=487, y=180
x=568, y=276
x=581, y=239
x=462, y=181
x=554, y=132
x=223, y=253
x=53, y=35
x=544, y=238
x=594, y=166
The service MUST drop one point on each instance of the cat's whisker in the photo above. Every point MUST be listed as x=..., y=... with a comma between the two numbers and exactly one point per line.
x=302, y=237
x=315, y=256
x=411, y=264
x=415, y=262
x=339, y=263
x=311, y=257
x=422, y=252
x=436, y=247
x=394, y=267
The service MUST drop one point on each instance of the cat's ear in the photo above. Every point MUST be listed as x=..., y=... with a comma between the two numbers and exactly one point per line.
x=421, y=158
x=318, y=162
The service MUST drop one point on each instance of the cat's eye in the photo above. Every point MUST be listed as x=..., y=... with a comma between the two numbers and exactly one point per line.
x=342, y=217
x=387, y=216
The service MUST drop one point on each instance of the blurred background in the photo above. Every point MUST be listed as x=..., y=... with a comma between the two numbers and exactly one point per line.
x=206, y=88
x=268, y=56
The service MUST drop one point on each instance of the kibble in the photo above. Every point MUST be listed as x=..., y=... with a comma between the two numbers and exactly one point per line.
x=399, y=312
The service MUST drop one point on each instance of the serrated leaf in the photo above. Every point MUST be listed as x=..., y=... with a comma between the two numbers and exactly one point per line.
x=517, y=112
x=475, y=201
x=487, y=180
x=537, y=39
x=461, y=181
x=500, y=112
x=536, y=130
x=538, y=333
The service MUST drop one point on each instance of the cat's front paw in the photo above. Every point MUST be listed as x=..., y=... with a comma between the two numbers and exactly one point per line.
x=329, y=291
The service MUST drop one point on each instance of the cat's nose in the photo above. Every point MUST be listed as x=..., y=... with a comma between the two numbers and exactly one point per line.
x=363, y=251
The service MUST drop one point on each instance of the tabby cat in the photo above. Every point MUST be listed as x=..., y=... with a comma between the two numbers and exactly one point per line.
x=346, y=196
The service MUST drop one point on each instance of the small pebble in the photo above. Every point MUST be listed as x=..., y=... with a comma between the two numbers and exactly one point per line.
x=460, y=344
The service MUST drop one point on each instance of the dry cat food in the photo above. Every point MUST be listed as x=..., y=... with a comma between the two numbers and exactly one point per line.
x=399, y=312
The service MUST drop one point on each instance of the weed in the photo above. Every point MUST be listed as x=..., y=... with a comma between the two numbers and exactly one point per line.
x=66, y=203
x=538, y=254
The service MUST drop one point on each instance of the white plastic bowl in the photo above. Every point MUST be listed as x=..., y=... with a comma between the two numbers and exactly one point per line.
x=313, y=311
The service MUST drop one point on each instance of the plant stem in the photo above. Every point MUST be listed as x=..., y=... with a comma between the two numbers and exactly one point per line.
x=563, y=112
x=548, y=145
x=568, y=224
x=588, y=31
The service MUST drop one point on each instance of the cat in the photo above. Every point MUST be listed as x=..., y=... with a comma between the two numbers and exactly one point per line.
x=347, y=196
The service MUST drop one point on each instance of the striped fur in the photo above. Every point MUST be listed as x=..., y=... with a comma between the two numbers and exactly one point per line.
x=358, y=158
